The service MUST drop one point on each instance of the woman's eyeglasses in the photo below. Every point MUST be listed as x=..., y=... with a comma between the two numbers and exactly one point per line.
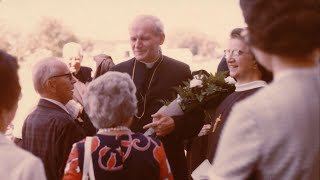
x=234, y=52
x=69, y=75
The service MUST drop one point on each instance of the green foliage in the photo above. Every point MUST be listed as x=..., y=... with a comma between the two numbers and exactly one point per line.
x=213, y=89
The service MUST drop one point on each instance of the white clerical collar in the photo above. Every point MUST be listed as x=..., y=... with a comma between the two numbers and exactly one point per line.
x=57, y=103
x=150, y=65
x=250, y=85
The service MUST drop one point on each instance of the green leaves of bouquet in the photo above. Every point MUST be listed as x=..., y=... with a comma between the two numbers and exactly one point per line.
x=204, y=90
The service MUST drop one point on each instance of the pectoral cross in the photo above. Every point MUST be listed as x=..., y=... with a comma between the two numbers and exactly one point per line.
x=216, y=123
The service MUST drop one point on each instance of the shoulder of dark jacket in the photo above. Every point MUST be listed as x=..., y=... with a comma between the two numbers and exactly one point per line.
x=123, y=65
x=85, y=69
x=174, y=61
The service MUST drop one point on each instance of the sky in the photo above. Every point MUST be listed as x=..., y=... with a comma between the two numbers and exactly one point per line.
x=109, y=19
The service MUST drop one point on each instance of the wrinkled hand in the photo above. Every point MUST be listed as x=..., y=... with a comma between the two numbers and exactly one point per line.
x=163, y=125
x=205, y=130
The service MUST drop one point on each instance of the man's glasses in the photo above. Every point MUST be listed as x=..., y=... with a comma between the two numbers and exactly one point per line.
x=69, y=75
x=234, y=52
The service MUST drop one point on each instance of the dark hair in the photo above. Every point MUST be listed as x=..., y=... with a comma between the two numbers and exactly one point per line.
x=236, y=33
x=223, y=66
x=10, y=89
x=284, y=27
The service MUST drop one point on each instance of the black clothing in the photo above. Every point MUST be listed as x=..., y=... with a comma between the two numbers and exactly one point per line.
x=223, y=112
x=157, y=84
x=84, y=74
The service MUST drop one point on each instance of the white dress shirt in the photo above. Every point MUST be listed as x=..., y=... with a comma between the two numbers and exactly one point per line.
x=57, y=103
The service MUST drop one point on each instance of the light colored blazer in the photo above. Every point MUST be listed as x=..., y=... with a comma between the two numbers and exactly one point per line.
x=18, y=164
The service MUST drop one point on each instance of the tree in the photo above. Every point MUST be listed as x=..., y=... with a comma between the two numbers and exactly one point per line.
x=5, y=36
x=51, y=34
x=12, y=41
x=87, y=45
x=198, y=43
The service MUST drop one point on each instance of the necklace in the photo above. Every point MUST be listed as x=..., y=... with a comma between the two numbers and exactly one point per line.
x=149, y=84
x=117, y=128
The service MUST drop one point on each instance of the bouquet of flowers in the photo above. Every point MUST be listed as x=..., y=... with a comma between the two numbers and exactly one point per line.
x=203, y=90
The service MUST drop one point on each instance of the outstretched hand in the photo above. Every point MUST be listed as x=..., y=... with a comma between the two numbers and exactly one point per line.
x=163, y=125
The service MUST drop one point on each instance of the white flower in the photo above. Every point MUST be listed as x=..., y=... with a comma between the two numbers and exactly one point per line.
x=229, y=80
x=195, y=83
x=198, y=76
x=179, y=99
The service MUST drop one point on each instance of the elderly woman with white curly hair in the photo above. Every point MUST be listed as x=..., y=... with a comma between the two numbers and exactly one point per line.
x=115, y=152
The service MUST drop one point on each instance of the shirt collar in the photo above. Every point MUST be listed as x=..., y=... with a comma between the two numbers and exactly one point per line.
x=57, y=103
x=150, y=65
x=4, y=139
x=250, y=85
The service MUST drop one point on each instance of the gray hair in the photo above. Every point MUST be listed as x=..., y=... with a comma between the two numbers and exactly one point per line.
x=110, y=100
x=43, y=70
x=71, y=49
x=158, y=25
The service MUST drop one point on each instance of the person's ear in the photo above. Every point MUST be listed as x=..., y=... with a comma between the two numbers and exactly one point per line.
x=162, y=38
x=81, y=58
x=50, y=85
x=4, y=120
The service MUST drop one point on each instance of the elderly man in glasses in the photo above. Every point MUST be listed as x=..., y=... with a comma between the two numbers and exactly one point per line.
x=49, y=131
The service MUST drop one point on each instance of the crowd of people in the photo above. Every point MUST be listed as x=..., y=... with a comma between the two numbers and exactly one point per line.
x=98, y=127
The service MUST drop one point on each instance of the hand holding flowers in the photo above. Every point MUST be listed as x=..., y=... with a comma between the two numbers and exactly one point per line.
x=203, y=90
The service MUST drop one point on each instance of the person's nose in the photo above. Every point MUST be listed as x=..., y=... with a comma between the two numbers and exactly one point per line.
x=138, y=43
x=229, y=58
x=73, y=80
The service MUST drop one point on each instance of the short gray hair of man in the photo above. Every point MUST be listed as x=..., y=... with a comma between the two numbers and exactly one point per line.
x=158, y=25
x=110, y=100
x=71, y=49
x=43, y=70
